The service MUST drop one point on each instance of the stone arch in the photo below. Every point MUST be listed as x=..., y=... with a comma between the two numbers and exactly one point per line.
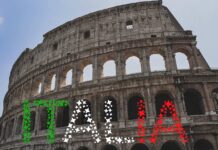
x=19, y=125
x=157, y=62
x=114, y=109
x=203, y=144
x=160, y=97
x=50, y=82
x=62, y=118
x=109, y=147
x=132, y=105
x=87, y=73
x=133, y=65
x=139, y=146
x=43, y=118
x=82, y=148
x=66, y=77
x=193, y=102
x=81, y=117
x=37, y=87
x=171, y=145
x=109, y=68
x=182, y=61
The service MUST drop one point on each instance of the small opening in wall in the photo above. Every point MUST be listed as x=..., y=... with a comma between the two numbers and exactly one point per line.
x=86, y=34
x=55, y=46
x=108, y=43
x=153, y=36
x=129, y=25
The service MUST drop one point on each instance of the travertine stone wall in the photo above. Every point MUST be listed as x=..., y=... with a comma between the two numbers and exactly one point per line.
x=95, y=39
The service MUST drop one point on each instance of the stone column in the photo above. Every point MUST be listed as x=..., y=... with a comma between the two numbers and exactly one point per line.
x=95, y=69
x=195, y=59
x=171, y=61
x=74, y=76
x=58, y=79
x=120, y=67
x=151, y=113
x=209, y=102
x=37, y=121
x=145, y=64
x=43, y=85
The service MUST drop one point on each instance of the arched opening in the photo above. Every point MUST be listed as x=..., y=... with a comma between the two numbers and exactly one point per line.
x=87, y=73
x=19, y=125
x=203, y=145
x=114, y=109
x=39, y=88
x=83, y=148
x=62, y=119
x=81, y=116
x=160, y=98
x=109, y=147
x=139, y=146
x=170, y=145
x=193, y=102
x=68, y=78
x=182, y=61
x=53, y=82
x=109, y=69
x=43, y=119
x=157, y=63
x=133, y=106
x=133, y=65
x=32, y=118
x=11, y=125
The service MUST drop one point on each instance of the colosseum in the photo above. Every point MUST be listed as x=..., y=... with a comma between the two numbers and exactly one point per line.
x=105, y=43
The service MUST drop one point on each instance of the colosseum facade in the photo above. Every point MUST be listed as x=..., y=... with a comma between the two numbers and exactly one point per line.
x=55, y=69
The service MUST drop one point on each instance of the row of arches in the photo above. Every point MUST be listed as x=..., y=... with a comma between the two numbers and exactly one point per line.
x=201, y=144
x=133, y=65
x=192, y=99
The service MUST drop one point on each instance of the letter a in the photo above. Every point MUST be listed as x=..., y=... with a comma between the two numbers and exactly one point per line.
x=177, y=127
x=82, y=105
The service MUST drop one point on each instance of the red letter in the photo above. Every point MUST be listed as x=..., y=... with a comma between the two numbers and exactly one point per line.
x=177, y=127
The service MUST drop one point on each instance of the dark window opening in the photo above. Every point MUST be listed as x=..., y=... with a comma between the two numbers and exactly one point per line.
x=62, y=117
x=83, y=148
x=153, y=36
x=55, y=46
x=193, y=102
x=129, y=24
x=81, y=116
x=203, y=145
x=139, y=147
x=159, y=102
x=109, y=147
x=43, y=119
x=114, y=109
x=86, y=34
x=171, y=145
x=133, y=107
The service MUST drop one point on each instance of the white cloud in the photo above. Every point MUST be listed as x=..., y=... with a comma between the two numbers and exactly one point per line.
x=1, y=20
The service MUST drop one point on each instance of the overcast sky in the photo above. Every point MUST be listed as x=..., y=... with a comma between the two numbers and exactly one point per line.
x=23, y=23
